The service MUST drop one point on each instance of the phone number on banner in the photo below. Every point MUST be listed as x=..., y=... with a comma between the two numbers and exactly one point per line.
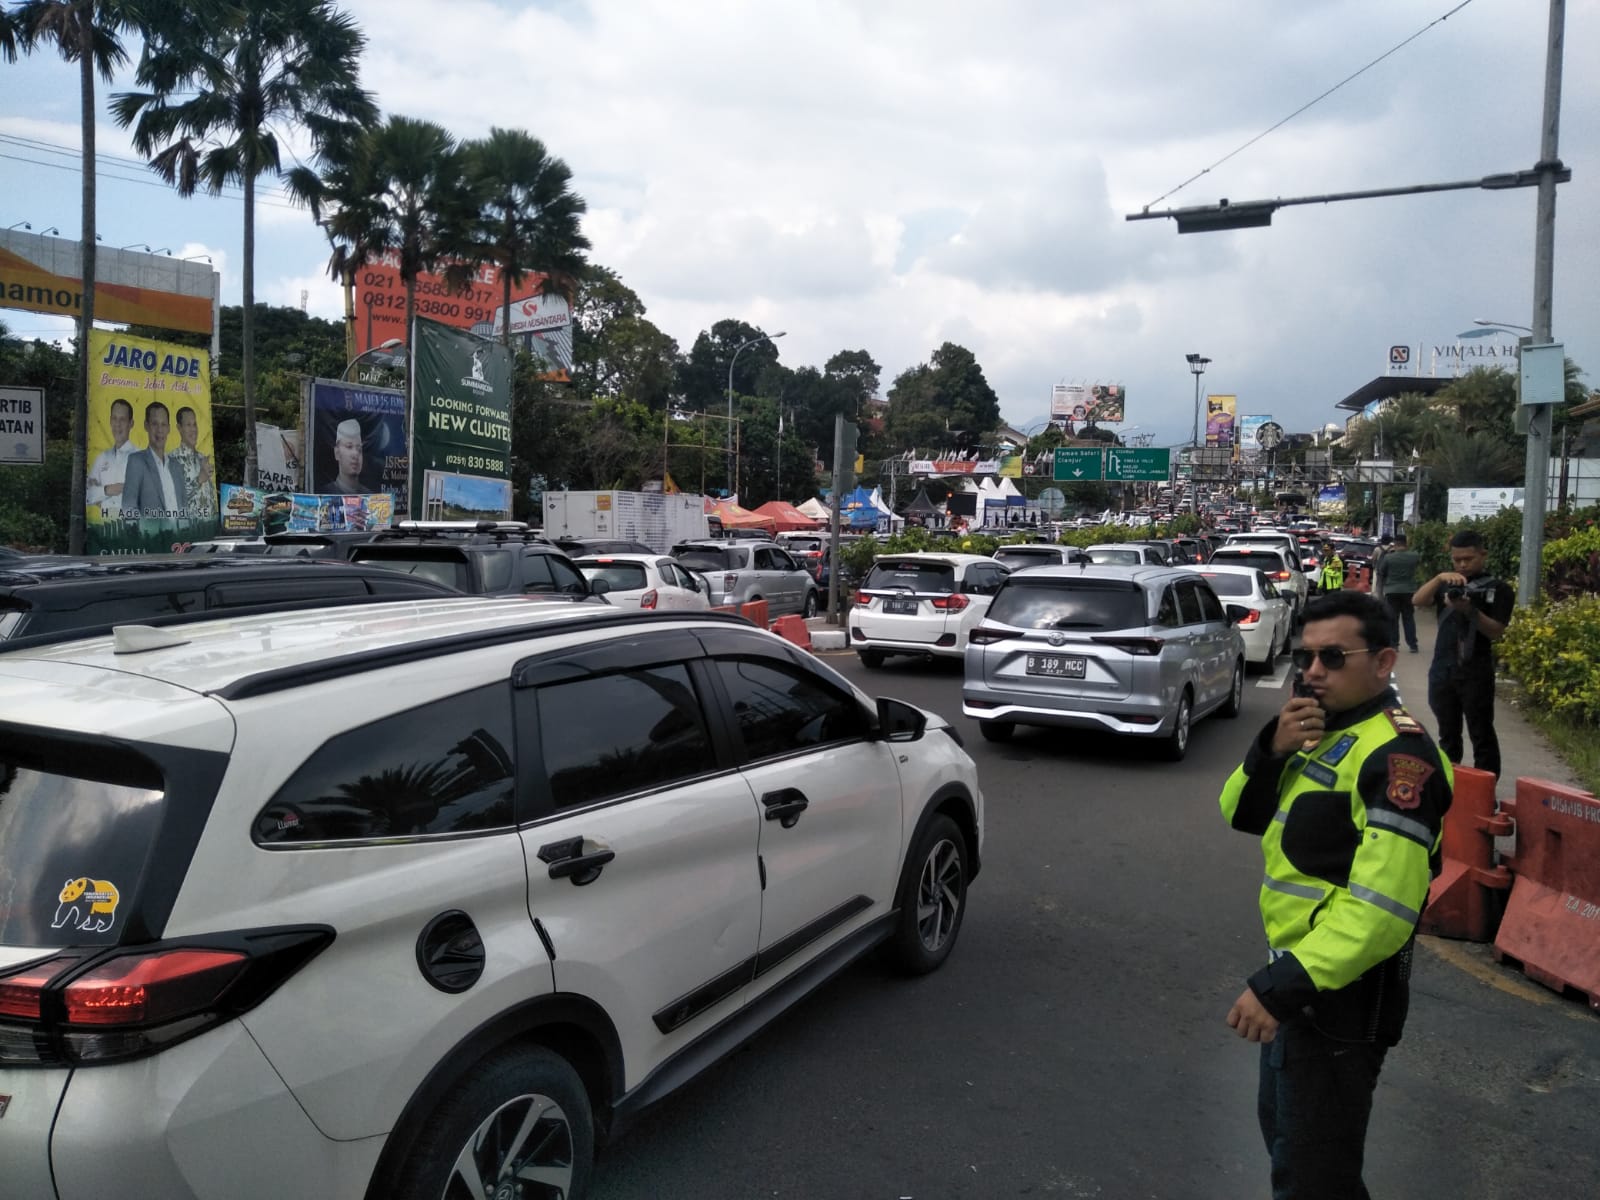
x=428, y=308
x=475, y=462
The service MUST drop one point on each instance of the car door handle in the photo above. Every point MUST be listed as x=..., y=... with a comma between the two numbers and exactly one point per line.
x=567, y=860
x=785, y=806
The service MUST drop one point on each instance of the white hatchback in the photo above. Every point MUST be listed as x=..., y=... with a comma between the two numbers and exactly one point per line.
x=921, y=604
x=652, y=582
x=1268, y=630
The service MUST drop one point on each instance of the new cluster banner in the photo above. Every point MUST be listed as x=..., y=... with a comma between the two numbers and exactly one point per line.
x=255, y=512
x=460, y=423
x=151, y=481
x=356, y=440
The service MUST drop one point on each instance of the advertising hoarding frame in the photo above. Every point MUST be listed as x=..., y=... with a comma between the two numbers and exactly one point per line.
x=460, y=407
x=379, y=415
x=22, y=433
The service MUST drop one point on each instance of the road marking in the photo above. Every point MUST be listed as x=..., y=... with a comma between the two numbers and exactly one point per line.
x=1499, y=977
x=1279, y=676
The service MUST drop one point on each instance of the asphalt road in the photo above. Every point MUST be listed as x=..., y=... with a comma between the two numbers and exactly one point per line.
x=1074, y=1044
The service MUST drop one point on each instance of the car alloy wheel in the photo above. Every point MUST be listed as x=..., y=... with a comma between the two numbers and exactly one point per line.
x=940, y=890
x=810, y=609
x=1176, y=744
x=932, y=898
x=1235, y=704
x=521, y=1151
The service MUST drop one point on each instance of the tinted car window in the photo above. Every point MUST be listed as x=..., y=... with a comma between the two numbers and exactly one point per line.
x=704, y=558
x=1210, y=606
x=780, y=709
x=567, y=576
x=626, y=732
x=496, y=567
x=1167, y=614
x=536, y=575
x=1188, y=604
x=70, y=850
x=440, y=768
x=915, y=576
x=1069, y=604
x=622, y=576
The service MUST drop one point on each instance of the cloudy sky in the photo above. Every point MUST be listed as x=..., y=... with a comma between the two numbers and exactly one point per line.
x=892, y=174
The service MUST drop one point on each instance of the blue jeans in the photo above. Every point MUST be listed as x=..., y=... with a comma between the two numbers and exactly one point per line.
x=1314, y=1102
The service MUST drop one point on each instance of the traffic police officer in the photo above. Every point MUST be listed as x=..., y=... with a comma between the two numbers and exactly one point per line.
x=1332, y=572
x=1347, y=792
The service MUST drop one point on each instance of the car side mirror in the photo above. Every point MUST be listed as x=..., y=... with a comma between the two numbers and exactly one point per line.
x=599, y=587
x=899, y=721
x=1237, y=613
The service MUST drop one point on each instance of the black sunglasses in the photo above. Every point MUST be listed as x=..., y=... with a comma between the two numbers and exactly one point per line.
x=1332, y=656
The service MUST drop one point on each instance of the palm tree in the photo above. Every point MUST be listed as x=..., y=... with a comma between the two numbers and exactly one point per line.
x=418, y=202
x=218, y=94
x=528, y=221
x=89, y=33
x=343, y=211
x=1478, y=459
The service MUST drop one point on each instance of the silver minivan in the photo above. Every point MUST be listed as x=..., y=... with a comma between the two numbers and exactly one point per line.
x=748, y=569
x=1142, y=651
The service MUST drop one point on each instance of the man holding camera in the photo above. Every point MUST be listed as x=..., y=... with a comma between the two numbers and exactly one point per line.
x=1474, y=609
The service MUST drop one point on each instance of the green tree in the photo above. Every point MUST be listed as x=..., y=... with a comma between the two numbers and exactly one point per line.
x=89, y=33
x=940, y=402
x=527, y=216
x=857, y=369
x=419, y=205
x=616, y=351
x=219, y=91
x=703, y=376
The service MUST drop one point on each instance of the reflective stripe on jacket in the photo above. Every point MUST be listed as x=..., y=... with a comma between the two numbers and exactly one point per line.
x=1350, y=835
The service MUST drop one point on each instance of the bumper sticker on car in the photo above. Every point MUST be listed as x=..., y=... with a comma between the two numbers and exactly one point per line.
x=89, y=905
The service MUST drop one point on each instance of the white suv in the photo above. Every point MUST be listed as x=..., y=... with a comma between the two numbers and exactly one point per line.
x=417, y=900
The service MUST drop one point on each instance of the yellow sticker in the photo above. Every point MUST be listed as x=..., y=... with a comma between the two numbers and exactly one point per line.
x=87, y=905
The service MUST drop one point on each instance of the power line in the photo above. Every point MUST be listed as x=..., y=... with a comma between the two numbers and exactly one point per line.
x=115, y=160
x=1308, y=104
x=273, y=197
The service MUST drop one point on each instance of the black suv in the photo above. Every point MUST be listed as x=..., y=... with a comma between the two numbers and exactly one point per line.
x=82, y=597
x=487, y=558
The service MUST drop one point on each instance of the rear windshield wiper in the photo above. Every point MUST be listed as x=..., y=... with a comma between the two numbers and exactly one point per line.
x=1075, y=625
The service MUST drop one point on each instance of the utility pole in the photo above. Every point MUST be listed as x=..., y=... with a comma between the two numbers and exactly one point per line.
x=834, y=564
x=1536, y=473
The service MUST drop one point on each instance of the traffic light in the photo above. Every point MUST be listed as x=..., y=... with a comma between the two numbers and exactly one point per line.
x=845, y=454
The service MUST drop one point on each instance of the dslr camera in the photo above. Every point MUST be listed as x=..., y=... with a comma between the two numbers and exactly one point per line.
x=1476, y=588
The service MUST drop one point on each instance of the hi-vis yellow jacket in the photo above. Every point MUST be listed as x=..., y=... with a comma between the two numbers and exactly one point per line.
x=1350, y=833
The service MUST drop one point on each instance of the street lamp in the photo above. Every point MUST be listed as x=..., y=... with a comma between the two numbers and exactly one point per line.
x=394, y=359
x=765, y=337
x=1197, y=364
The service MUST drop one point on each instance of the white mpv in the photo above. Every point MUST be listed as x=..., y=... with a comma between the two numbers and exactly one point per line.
x=419, y=899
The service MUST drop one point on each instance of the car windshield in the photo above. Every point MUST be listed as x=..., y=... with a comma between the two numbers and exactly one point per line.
x=1229, y=585
x=1069, y=604
x=704, y=558
x=803, y=545
x=1115, y=558
x=622, y=576
x=1028, y=554
x=911, y=577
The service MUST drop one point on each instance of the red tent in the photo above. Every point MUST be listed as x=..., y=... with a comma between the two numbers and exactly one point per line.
x=733, y=516
x=787, y=516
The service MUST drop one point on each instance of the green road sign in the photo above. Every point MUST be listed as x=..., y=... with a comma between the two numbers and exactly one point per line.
x=1079, y=464
x=1135, y=465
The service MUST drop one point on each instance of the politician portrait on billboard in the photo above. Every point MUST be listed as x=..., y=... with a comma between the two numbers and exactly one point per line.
x=357, y=440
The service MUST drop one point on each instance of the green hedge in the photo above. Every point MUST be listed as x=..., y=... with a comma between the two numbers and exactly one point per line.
x=1554, y=651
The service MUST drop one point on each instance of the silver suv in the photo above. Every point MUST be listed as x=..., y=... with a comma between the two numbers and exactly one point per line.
x=749, y=569
x=1144, y=651
x=420, y=900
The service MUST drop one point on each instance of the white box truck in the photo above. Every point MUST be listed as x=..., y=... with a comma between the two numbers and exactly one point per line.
x=658, y=519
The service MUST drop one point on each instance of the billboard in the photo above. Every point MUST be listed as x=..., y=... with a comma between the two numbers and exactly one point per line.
x=1249, y=428
x=541, y=324
x=356, y=440
x=1220, y=412
x=151, y=479
x=280, y=462
x=22, y=425
x=254, y=512
x=45, y=275
x=1464, y=503
x=1106, y=403
x=1069, y=402
x=461, y=410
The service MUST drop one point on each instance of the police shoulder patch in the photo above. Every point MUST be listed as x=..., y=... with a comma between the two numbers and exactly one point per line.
x=1403, y=721
x=1406, y=778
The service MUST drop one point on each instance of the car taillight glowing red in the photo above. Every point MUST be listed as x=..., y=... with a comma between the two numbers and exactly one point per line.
x=863, y=599
x=648, y=600
x=1280, y=575
x=953, y=603
x=20, y=994
x=1251, y=618
x=151, y=987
